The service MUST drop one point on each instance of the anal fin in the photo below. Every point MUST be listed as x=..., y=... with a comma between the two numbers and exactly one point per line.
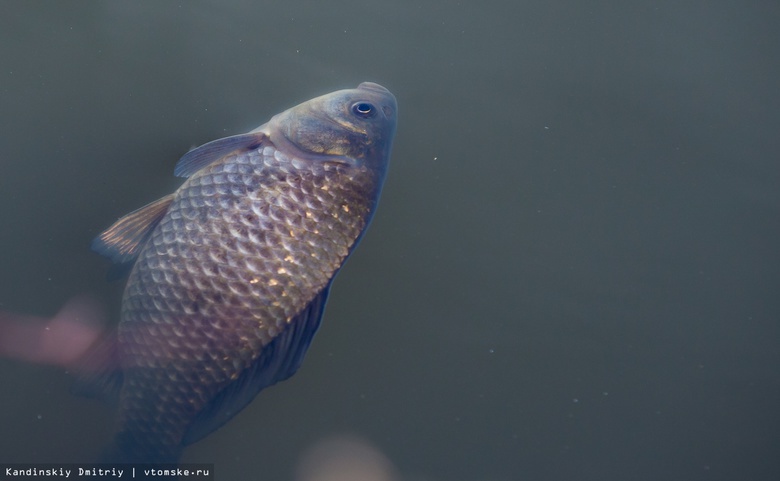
x=98, y=373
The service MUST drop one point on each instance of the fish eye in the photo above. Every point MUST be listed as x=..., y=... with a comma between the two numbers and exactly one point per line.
x=363, y=109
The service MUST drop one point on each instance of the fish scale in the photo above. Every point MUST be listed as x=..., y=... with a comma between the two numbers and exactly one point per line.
x=255, y=266
x=232, y=271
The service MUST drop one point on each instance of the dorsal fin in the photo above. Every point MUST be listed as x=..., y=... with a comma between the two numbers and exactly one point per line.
x=279, y=360
x=123, y=241
x=200, y=157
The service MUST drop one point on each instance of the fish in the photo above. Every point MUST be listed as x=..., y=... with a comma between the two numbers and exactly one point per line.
x=231, y=272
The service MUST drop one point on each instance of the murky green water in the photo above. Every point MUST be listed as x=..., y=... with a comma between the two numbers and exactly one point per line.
x=573, y=271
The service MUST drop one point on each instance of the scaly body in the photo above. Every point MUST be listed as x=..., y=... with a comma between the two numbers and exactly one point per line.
x=231, y=278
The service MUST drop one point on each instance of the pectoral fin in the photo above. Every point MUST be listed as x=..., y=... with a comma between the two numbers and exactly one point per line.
x=123, y=241
x=279, y=360
x=200, y=157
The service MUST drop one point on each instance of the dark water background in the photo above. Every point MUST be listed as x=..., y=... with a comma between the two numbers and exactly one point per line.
x=573, y=273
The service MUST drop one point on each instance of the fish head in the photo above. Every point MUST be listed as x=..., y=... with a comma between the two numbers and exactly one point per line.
x=354, y=126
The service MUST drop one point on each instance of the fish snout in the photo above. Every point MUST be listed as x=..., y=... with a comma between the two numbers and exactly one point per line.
x=374, y=87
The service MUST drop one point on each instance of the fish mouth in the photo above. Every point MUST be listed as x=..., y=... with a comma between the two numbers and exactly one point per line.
x=373, y=86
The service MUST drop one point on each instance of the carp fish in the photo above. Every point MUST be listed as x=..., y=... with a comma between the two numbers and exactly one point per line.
x=231, y=272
